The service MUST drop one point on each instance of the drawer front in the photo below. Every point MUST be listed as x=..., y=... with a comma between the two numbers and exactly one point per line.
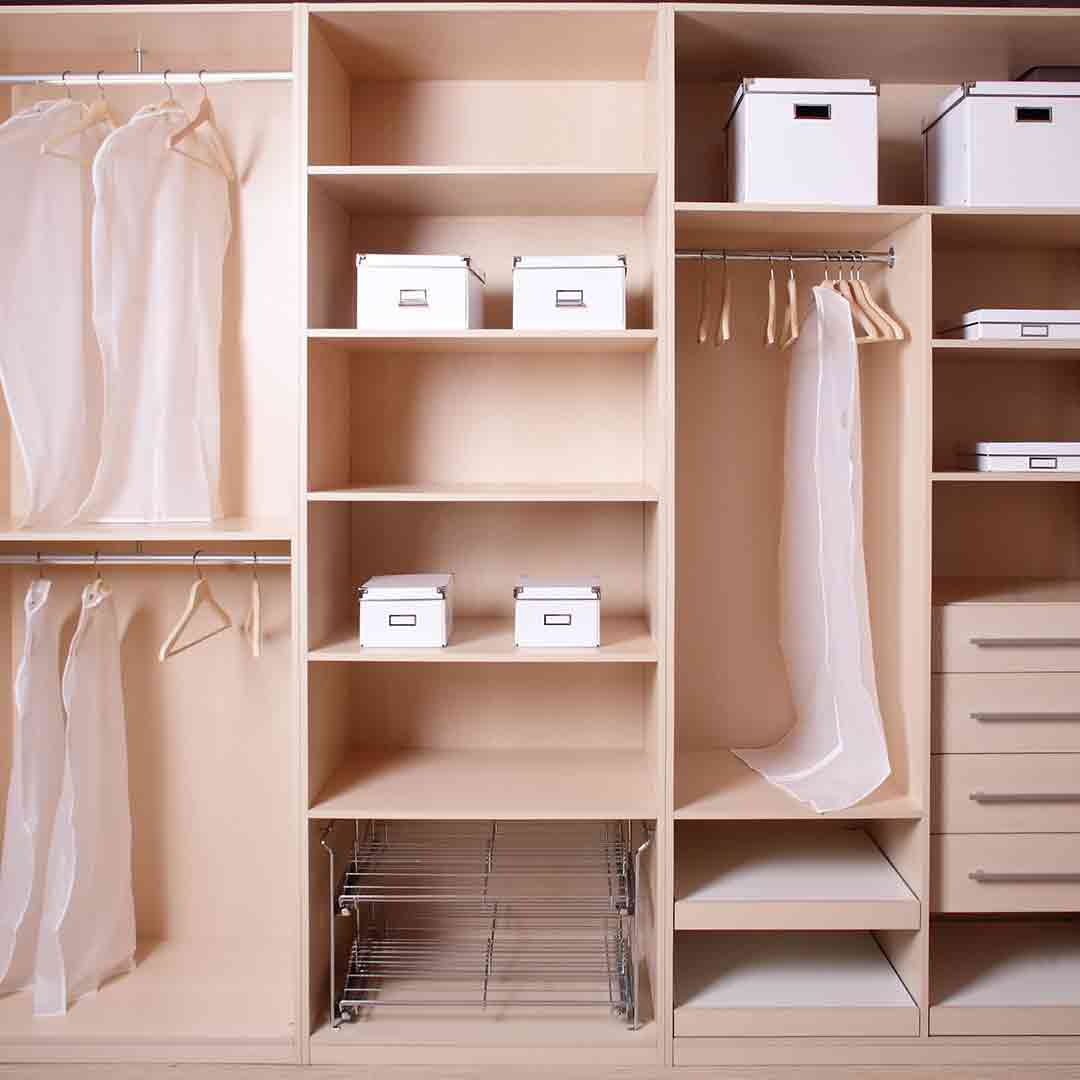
x=1005, y=873
x=572, y=298
x=1006, y=793
x=1006, y=637
x=1003, y=714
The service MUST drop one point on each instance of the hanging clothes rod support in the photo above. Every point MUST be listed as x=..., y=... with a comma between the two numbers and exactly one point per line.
x=144, y=78
x=199, y=559
x=779, y=257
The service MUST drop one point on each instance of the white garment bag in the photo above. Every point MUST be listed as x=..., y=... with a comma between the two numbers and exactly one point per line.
x=37, y=768
x=49, y=363
x=835, y=754
x=88, y=925
x=161, y=227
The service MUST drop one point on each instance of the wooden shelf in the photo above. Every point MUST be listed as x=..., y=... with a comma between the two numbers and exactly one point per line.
x=988, y=590
x=185, y=1001
x=714, y=785
x=758, y=225
x=990, y=350
x=476, y=493
x=484, y=191
x=1005, y=979
x=435, y=784
x=964, y=476
x=444, y=1036
x=488, y=342
x=491, y=641
x=787, y=879
x=780, y=985
x=227, y=530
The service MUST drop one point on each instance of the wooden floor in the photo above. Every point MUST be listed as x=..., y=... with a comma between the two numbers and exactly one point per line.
x=494, y=1072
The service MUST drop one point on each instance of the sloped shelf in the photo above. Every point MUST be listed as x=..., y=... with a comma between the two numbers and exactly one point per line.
x=526, y=493
x=487, y=342
x=491, y=641
x=714, y=785
x=787, y=984
x=788, y=879
x=486, y=191
x=472, y=785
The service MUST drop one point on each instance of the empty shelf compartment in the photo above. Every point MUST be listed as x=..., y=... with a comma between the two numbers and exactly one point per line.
x=1005, y=978
x=809, y=877
x=788, y=984
x=500, y=916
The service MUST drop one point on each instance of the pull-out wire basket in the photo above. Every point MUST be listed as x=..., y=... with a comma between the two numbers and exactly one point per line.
x=496, y=915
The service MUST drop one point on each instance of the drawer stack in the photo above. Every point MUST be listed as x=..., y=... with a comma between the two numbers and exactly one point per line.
x=1006, y=768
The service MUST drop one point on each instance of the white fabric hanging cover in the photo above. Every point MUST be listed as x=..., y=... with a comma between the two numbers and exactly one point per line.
x=37, y=768
x=49, y=362
x=161, y=227
x=835, y=754
x=88, y=926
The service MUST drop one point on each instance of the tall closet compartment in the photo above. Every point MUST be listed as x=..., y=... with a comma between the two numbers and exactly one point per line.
x=212, y=732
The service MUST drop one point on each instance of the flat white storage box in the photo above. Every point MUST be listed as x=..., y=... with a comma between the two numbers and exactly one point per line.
x=418, y=292
x=804, y=141
x=1005, y=144
x=577, y=292
x=404, y=611
x=1015, y=324
x=558, y=613
x=1022, y=456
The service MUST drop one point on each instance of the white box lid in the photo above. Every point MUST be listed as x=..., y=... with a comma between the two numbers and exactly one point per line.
x=428, y=262
x=1011, y=316
x=807, y=86
x=576, y=588
x=570, y=262
x=1022, y=449
x=407, y=587
x=1002, y=89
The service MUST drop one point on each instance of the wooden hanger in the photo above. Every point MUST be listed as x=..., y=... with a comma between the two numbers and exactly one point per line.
x=723, y=326
x=870, y=331
x=252, y=625
x=791, y=317
x=200, y=596
x=770, y=325
x=893, y=329
x=703, y=306
x=204, y=117
x=97, y=113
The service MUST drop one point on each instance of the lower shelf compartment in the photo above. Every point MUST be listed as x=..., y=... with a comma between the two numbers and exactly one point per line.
x=1005, y=978
x=782, y=984
x=185, y=1001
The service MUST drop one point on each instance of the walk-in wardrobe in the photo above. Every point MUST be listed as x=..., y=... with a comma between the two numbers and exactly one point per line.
x=486, y=855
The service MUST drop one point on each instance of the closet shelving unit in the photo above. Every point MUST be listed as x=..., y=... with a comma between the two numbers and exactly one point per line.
x=767, y=935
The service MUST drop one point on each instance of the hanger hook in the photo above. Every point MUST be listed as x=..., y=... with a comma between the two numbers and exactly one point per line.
x=100, y=87
x=202, y=72
x=168, y=85
x=40, y=567
x=64, y=79
x=195, y=563
x=255, y=565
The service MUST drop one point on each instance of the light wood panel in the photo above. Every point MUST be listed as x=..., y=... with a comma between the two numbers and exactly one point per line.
x=506, y=343
x=489, y=493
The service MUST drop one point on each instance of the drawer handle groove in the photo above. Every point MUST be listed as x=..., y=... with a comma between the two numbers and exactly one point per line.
x=1025, y=642
x=1025, y=796
x=1024, y=718
x=986, y=877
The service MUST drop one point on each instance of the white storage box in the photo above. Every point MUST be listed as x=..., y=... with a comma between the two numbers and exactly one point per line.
x=1022, y=456
x=574, y=292
x=407, y=611
x=804, y=141
x=1016, y=324
x=557, y=612
x=418, y=292
x=1005, y=144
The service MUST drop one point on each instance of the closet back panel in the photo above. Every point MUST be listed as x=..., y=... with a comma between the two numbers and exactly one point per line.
x=258, y=359
x=730, y=457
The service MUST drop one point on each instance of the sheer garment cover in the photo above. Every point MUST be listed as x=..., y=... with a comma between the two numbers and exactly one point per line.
x=88, y=926
x=835, y=754
x=37, y=768
x=49, y=363
x=161, y=227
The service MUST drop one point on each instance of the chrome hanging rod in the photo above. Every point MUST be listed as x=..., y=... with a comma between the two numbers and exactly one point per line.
x=195, y=559
x=145, y=78
x=820, y=255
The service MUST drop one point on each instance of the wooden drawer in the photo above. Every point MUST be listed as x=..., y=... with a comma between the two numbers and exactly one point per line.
x=1004, y=714
x=1005, y=793
x=1006, y=637
x=1005, y=873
